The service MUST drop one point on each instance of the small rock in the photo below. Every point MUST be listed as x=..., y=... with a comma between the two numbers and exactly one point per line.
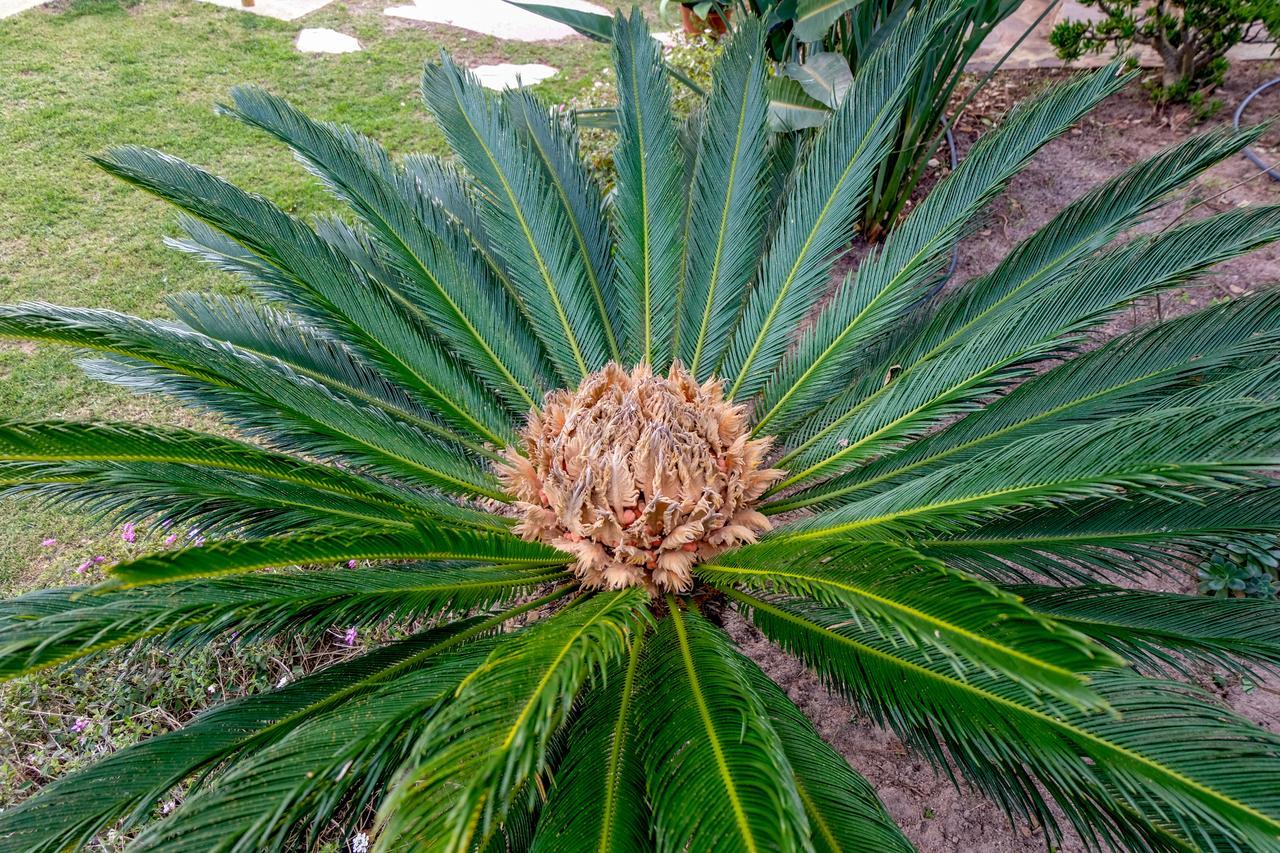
x=509, y=76
x=321, y=40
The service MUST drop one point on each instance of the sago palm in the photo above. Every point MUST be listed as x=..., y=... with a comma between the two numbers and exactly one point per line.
x=567, y=438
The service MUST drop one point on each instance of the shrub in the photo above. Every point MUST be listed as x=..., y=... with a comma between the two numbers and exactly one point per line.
x=1190, y=37
x=436, y=389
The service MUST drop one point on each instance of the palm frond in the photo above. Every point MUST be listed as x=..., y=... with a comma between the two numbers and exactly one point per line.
x=958, y=379
x=52, y=627
x=262, y=396
x=913, y=600
x=718, y=776
x=727, y=204
x=889, y=282
x=129, y=783
x=1208, y=445
x=323, y=284
x=829, y=190
x=527, y=225
x=843, y=810
x=1160, y=631
x=1077, y=231
x=493, y=735
x=288, y=790
x=1165, y=770
x=428, y=542
x=647, y=216
x=471, y=311
x=1128, y=535
x=1127, y=374
x=554, y=138
x=597, y=797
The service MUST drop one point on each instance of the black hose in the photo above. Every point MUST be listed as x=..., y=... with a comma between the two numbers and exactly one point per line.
x=1235, y=122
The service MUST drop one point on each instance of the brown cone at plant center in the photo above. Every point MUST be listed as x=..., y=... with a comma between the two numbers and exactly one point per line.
x=639, y=476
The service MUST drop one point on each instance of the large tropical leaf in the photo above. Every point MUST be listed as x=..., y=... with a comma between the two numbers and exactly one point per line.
x=1166, y=769
x=918, y=602
x=493, y=735
x=718, y=776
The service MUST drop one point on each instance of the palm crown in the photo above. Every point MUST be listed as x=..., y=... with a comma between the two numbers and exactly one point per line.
x=936, y=515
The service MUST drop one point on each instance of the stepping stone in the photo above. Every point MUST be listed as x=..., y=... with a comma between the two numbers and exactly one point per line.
x=284, y=10
x=494, y=17
x=321, y=40
x=508, y=76
x=13, y=7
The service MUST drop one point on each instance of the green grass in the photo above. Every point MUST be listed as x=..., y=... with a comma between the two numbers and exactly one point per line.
x=94, y=73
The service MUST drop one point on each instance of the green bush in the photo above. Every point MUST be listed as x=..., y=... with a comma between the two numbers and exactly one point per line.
x=1190, y=37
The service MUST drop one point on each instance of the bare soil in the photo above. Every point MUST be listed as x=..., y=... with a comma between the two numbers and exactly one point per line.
x=937, y=816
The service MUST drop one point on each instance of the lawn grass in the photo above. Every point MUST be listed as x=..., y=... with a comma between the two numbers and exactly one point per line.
x=92, y=74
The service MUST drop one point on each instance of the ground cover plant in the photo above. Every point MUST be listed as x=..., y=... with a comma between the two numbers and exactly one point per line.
x=549, y=427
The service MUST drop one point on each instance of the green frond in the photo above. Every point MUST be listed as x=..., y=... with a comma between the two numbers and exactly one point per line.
x=1210, y=445
x=829, y=190
x=888, y=283
x=1159, y=631
x=1079, y=230
x=526, y=224
x=53, y=627
x=1164, y=770
x=1127, y=374
x=960, y=377
x=129, y=783
x=597, y=803
x=493, y=734
x=845, y=815
x=555, y=140
x=717, y=773
x=916, y=601
x=1127, y=536
x=428, y=542
x=727, y=203
x=323, y=284
x=469, y=310
x=47, y=449
x=260, y=395
x=647, y=213
x=283, y=794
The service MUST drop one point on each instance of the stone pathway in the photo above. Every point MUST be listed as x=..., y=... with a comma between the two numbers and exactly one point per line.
x=508, y=76
x=321, y=40
x=284, y=10
x=13, y=7
x=494, y=17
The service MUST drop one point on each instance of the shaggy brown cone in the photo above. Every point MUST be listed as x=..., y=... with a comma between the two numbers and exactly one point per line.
x=639, y=476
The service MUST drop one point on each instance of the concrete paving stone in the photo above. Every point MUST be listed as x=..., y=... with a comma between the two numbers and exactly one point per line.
x=494, y=17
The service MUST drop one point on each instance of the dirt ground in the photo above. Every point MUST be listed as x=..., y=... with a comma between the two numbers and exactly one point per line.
x=936, y=816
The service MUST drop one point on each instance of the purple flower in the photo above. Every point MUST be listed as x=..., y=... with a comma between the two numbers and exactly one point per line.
x=48, y=543
x=193, y=533
x=80, y=725
x=129, y=533
x=84, y=567
x=170, y=539
x=351, y=564
x=166, y=524
x=350, y=637
x=98, y=560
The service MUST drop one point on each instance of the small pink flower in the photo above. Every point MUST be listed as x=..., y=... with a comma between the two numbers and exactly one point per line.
x=99, y=560
x=84, y=567
x=129, y=533
x=166, y=524
x=80, y=725
x=48, y=543
x=350, y=637
x=193, y=533
x=170, y=539
x=351, y=564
